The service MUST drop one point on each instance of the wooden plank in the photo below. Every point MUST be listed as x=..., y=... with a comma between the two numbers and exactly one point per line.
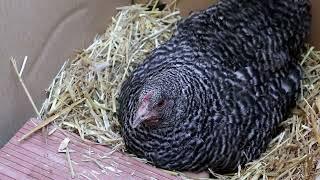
x=34, y=159
x=123, y=161
x=5, y=177
x=13, y=172
x=37, y=143
x=27, y=160
x=121, y=158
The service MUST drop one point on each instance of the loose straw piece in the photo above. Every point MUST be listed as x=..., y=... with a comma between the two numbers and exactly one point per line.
x=13, y=61
x=50, y=119
x=70, y=162
x=23, y=65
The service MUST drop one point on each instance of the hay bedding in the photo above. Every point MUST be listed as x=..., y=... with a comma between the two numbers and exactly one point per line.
x=83, y=96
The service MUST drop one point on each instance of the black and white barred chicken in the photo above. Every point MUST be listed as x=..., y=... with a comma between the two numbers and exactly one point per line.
x=214, y=94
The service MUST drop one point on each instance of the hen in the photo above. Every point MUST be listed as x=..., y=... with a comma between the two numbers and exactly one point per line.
x=214, y=94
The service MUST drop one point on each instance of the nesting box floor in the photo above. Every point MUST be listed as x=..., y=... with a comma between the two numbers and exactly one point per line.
x=34, y=158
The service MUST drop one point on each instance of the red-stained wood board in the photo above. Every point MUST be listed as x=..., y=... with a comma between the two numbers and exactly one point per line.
x=37, y=157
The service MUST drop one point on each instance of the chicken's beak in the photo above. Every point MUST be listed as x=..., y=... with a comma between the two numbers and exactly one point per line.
x=141, y=115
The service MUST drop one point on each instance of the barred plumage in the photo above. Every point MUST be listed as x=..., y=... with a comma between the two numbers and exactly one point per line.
x=214, y=94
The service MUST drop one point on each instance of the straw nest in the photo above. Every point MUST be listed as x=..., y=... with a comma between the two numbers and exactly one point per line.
x=83, y=96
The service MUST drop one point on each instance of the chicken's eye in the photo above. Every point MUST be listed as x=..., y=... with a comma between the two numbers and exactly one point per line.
x=161, y=103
